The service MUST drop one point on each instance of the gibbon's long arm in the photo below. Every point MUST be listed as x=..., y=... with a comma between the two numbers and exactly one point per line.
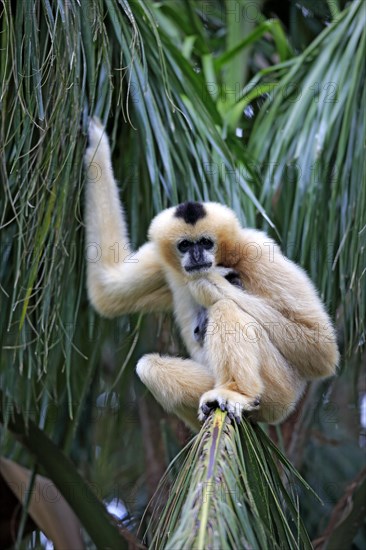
x=118, y=279
x=282, y=301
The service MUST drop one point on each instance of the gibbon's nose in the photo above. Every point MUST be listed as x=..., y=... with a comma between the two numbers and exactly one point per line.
x=197, y=253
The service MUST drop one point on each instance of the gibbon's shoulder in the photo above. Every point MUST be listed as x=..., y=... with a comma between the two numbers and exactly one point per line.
x=249, y=234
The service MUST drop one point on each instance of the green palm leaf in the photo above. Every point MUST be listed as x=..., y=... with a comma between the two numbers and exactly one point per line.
x=230, y=493
x=309, y=141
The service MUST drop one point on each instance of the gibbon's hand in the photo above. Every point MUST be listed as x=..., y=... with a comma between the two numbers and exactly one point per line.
x=211, y=287
x=222, y=271
x=98, y=150
x=230, y=275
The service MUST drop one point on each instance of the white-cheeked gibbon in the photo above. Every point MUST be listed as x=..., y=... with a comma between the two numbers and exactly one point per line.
x=251, y=320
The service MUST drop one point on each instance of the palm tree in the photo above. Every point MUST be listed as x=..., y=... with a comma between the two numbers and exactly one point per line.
x=282, y=144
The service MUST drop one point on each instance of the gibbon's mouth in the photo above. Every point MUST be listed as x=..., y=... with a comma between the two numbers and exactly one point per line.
x=190, y=268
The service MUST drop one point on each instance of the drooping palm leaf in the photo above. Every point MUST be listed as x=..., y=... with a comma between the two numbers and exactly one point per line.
x=309, y=141
x=81, y=498
x=54, y=517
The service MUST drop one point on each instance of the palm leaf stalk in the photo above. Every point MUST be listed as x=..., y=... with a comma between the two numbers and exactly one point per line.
x=309, y=141
x=230, y=493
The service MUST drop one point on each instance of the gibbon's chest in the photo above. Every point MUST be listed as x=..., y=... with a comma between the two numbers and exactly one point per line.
x=186, y=311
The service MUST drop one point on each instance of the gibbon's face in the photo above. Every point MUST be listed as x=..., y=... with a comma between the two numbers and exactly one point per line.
x=193, y=237
x=196, y=255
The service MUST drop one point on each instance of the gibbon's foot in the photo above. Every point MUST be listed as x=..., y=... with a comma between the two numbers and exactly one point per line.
x=236, y=404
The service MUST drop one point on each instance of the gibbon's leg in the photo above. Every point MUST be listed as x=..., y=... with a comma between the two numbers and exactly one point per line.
x=118, y=279
x=177, y=384
x=283, y=386
x=234, y=361
x=251, y=374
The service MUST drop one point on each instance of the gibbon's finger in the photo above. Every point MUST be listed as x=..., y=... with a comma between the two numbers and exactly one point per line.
x=223, y=271
x=95, y=121
x=234, y=279
x=97, y=137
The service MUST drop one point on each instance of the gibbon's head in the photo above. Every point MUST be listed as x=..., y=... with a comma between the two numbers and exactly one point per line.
x=194, y=237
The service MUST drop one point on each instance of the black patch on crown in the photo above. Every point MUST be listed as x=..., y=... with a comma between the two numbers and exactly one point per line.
x=191, y=212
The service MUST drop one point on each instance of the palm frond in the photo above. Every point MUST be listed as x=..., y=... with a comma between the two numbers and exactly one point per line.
x=231, y=493
x=309, y=141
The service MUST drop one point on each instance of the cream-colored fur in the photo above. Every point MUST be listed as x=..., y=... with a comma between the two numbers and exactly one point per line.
x=263, y=341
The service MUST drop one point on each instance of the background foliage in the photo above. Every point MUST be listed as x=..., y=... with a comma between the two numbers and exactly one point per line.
x=255, y=104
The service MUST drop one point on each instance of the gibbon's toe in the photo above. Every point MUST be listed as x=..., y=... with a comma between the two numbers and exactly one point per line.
x=256, y=402
x=206, y=409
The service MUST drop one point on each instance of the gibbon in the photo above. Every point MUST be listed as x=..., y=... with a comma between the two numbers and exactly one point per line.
x=251, y=320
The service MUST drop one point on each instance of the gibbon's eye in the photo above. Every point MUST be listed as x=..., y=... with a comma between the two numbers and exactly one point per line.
x=184, y=246
x=206, y=243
